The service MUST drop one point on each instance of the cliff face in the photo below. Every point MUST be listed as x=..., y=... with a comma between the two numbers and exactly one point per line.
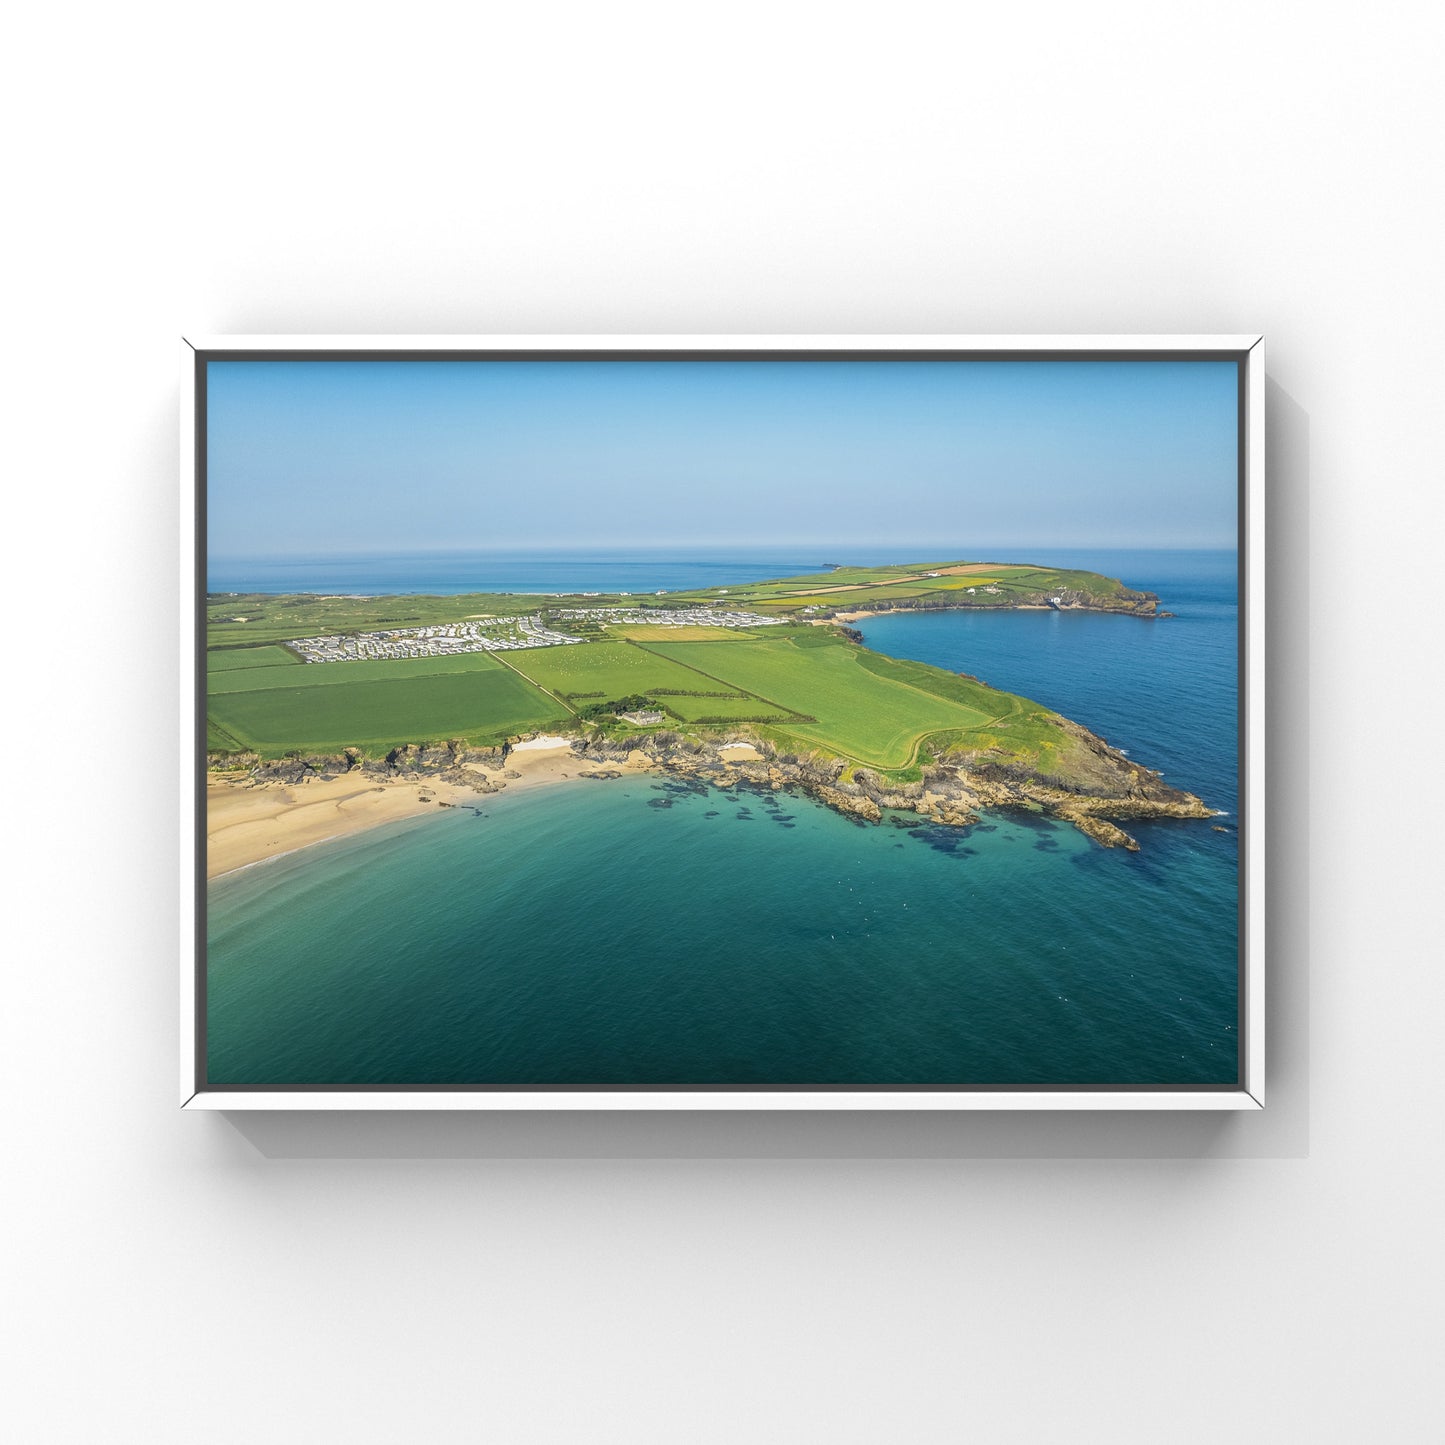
x=1140, y=604
x=450, y=762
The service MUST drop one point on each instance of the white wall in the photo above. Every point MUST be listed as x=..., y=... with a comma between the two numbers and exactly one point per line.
x=1057, y=167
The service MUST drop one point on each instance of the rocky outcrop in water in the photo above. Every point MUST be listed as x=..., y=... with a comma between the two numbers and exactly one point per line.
x=1102, y=785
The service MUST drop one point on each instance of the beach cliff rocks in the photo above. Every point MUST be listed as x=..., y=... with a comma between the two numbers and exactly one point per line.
x=451, y=762
x=1091, y=785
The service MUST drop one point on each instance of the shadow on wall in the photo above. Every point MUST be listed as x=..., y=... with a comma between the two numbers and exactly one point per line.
x=1280, y=1131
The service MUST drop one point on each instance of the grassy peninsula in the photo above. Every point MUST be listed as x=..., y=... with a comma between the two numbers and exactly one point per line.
x=764, y=681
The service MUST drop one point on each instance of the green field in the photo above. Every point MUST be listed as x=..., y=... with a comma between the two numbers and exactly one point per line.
x=344, y=674
x=481, y=704
x=242, y=659
x=613, y=669
x=806, y=682
x=218, y=740
x=810, y=687
x=749, y=709
x=1023, y=729
x=645, y=632
x=860, y=705
x=863, y=712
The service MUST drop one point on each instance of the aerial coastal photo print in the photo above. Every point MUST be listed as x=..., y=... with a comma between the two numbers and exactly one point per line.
x=637, y=723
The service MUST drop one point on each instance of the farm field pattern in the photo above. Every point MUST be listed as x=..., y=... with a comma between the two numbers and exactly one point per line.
x=804, y=687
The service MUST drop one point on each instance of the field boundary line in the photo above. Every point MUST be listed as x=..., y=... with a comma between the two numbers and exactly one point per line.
x=737, y=688
x=532, y=682
x=241, y=744
x=852, y=757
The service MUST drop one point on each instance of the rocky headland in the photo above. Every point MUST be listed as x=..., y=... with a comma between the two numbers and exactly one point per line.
x=1095, y=787
x=1125, y=600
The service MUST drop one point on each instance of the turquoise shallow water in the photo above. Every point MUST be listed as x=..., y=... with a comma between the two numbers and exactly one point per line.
x=638, y=932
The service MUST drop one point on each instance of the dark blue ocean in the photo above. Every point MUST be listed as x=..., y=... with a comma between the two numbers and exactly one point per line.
x=640, y=932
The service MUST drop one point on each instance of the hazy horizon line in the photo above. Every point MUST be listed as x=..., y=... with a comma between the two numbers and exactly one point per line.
x=922, y=548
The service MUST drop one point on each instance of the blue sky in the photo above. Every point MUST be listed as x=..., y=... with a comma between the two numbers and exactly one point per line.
x=366, y=456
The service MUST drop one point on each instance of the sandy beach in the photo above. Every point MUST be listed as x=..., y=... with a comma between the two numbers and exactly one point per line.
x=249, y=822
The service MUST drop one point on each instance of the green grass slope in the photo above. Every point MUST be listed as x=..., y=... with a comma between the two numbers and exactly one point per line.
x=863, y=713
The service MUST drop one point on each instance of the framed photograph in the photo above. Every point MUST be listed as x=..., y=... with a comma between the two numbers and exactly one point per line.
x=721, y=722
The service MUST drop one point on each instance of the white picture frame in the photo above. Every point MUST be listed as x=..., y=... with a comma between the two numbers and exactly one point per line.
x=1249, y=1094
